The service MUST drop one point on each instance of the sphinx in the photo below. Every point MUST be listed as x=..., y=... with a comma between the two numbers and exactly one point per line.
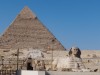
x=71, y=63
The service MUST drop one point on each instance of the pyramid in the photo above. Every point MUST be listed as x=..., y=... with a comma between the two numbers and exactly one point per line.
x=26, y=31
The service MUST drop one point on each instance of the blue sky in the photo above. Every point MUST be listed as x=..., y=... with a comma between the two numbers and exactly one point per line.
x=73, y=22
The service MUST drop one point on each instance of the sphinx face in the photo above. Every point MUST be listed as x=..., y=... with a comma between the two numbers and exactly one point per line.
x=74, y=51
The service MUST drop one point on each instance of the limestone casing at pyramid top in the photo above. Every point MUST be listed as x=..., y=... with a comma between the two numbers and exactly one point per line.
x=27, y=13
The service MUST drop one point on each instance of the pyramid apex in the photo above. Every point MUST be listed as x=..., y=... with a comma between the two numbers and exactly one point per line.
x=27, y=13
x=26, y=8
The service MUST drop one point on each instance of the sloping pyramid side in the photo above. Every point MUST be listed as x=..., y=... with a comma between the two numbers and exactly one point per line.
x=28, y=32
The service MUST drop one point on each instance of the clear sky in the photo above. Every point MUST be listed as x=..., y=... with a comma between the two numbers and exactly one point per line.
x=73, y=22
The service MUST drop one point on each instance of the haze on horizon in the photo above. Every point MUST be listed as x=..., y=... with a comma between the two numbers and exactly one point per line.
x=73, y=22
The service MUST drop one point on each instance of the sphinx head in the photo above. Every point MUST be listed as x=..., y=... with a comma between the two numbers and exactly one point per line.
x=75, y=51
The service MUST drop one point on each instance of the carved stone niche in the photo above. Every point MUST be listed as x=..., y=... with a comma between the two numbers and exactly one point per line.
x=29, y=64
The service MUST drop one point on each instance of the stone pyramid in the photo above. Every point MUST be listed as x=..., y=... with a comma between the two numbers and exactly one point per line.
x=26, y=31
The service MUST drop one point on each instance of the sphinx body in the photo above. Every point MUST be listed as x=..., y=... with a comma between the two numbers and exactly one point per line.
x=68, y=63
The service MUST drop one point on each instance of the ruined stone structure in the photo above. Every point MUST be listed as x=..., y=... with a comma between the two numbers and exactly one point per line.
x=26, y=31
